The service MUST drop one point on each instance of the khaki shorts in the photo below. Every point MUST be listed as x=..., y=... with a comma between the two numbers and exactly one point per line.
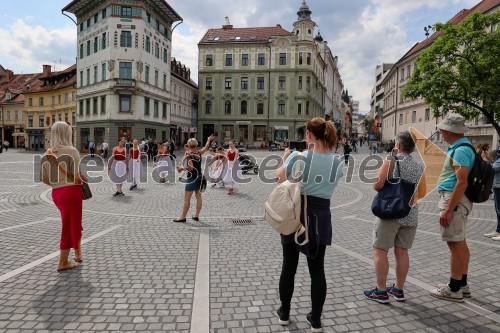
x=458, y=223
x=388, y=234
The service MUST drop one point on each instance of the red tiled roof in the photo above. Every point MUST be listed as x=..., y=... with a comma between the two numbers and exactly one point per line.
x=18, y=85
x=483, y=6
x=246, y=35
x=63, y=84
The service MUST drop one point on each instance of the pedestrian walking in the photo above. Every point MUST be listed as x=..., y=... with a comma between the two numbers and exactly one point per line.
x=400, y=233
x=92, y=148
x=6, y=145
x=134, y=164
x=61, y=160
x=118, y=166
x=171, y=149
x=495, y=235
x=319, y=161
x=233, y=171
x=195, y=177
x=104, y=148
x=485, y=152
x=454, y=206
x=346, y=151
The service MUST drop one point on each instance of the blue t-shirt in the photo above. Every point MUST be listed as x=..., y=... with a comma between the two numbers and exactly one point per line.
x=464, y=157
x=321, y=172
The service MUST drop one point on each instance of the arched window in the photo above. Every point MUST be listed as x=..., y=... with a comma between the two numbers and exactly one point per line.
x=244, y=107
x=208, y=107
x=281, y=107
x=227, y=107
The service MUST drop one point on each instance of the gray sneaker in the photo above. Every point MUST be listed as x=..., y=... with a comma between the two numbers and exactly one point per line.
x=466, y=291
x=443, y=291
x=492, y=234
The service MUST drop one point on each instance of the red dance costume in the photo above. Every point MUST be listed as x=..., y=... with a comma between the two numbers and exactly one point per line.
x=69, y=201
x=231, y=155
x=135, y=154
x=120, y=155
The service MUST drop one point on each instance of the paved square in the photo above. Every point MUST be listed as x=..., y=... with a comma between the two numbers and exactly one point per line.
x=142, y=272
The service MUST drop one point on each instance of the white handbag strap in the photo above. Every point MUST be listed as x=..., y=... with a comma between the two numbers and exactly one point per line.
x=303, y=228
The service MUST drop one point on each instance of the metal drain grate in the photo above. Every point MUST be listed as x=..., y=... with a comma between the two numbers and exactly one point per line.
x=242, y=222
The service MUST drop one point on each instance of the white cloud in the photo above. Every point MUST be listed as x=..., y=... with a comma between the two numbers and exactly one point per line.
x=28, y=47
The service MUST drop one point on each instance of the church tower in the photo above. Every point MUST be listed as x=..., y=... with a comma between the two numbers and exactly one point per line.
x=304, y=26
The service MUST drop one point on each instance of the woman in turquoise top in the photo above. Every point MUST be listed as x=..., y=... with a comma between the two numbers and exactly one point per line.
x=321, y=172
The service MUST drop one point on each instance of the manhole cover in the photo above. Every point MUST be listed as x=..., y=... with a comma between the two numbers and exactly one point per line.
x=243, y=222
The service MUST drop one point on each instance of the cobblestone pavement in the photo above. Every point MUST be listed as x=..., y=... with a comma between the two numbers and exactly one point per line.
x=142, y=272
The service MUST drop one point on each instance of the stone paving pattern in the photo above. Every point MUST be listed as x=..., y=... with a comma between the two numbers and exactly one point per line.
x=141, y=276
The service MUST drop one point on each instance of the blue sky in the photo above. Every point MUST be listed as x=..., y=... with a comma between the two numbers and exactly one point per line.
x=363, y=33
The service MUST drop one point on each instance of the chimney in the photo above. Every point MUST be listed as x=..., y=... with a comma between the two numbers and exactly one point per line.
x=9, y=74
x=278, y=25
x=227, y=26
x=47, y=70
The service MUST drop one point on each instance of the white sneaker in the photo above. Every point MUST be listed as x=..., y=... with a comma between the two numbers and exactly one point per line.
x=443, y=291
x=492, y=234
x=496, y=238
x=466, y=291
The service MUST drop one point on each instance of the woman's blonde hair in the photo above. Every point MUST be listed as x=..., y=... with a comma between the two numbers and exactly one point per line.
x=60, y=136
x=192, y=143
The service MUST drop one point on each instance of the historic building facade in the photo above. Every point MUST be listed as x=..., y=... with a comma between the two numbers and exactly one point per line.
x=51, y=99
x=123, y=86
x=262, y=84
x=184, y=103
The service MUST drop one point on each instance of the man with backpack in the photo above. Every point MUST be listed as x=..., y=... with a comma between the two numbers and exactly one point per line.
x=454, y=206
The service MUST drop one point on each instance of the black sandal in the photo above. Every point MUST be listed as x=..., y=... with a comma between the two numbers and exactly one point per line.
x=196, y=218
x=179, y=220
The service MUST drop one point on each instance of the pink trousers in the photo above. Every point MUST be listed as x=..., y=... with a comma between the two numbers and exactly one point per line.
x=69, y=201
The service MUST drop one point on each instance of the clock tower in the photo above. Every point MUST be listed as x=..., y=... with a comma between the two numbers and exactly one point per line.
x=304, y=26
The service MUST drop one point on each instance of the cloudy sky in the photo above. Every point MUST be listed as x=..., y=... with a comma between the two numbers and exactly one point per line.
x=362, y=33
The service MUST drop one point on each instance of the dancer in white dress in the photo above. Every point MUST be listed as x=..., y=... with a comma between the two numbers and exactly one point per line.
x=217, y=167
x=165, y=165
x=134, y=163
x=118, y=166
x=233, y=171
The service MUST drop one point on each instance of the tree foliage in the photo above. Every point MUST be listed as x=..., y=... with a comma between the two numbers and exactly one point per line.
x=460, y=70
x=368, y=123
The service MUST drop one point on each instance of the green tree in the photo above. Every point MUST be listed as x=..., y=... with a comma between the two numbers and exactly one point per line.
x=460, y=70
x=368, y=122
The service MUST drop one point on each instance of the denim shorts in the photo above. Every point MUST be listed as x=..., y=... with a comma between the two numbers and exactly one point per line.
x=192, y=185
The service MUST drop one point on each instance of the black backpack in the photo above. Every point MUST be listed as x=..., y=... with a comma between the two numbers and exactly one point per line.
x=480, y=180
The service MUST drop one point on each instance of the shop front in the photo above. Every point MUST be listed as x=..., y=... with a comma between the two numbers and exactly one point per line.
x=280, y=133
x=36, y=139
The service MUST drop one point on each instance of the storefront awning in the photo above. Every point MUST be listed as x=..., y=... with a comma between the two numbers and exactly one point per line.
x=281, y=128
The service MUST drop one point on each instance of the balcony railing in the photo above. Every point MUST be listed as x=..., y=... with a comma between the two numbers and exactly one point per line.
x=125, y=83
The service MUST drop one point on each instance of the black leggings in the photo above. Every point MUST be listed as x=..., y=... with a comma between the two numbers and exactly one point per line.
x=318, y=280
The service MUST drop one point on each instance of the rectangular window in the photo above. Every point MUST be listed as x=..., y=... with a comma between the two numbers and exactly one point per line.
x=308, y=83
x=103, y=69
x=126, y=39
x=300, y=58
x=408, y=69
x=282, y=58
x=53, y=99
x=208, y=83
x=300, y=83
x=88, y=48
x=94, y=109
x=66, y=96
x=400, y=119
x=282, y=82
x=125, y=103
x=87, y=106
x=96, y=18
x=259, y=132
x=308, y=58
x=146, y=106
x=400, y=97
x=96, y=44
x=80, y=109
x=299, y=109
x=88, y=23
x=414, y=117
x=148, y=44
x=103, y=41
x=227, y=84
x=16, y=115
x=156, y=109
x=244, y=83
x=146, y=79
x=164, y=110
x=156, y=78
x=244, y=59
x=59, y=99
x=81, y=51
x=157, y=51
x=307, y=108
x=229, y=59
x=126, y=11
x=260, y=82
x=103, y=104
x=103, y=13
x=40, y=101
x=30, y=121
x=165, y=81
x=81, y=78
x=165, y=55
x=261, y=60
x=81, y=26
x=427, y=114
x=209, y=60
x=88, y=76
x=281, y=107
x=402, y=74
x=95, y=74
x=260, y=108
x=148, y=17
x=30, y=101
x=125, y=70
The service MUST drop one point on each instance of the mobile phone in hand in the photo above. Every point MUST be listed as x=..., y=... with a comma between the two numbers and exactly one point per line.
x=395, y=151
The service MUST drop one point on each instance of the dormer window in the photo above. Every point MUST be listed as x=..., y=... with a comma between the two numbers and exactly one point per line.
x=9, y=96
x=216, y=38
